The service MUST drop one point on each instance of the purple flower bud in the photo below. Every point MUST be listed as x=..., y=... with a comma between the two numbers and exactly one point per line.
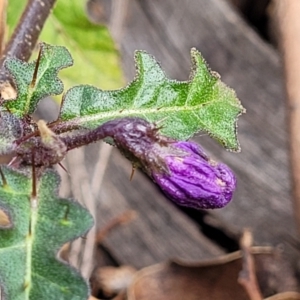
x=181, y=169
x=194, y=180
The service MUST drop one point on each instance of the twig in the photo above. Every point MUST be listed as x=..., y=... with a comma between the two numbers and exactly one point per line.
x=247, y=277
x=26, y=33
x=287, y=13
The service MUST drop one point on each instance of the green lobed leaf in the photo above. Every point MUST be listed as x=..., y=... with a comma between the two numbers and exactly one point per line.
x=29, y=268
x=53, y=58
x=203, y=103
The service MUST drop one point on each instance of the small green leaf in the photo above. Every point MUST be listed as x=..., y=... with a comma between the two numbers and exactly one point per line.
x=52, y=59
x=29, y=268
x=203, y=103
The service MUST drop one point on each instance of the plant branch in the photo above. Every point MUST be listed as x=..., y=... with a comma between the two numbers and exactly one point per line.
x=26, y=34
x=287, y=15
x=247, y=277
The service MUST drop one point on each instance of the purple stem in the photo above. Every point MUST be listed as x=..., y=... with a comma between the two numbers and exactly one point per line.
x=114, y=128
x=105, y=130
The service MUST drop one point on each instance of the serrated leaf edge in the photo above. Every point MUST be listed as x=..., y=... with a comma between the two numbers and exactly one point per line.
x=29, y=93
x=27, y=244
x=143, y=112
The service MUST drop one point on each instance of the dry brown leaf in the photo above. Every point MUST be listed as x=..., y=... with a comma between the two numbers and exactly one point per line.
x=215, y=279
x=285, y=296
x=112, y=280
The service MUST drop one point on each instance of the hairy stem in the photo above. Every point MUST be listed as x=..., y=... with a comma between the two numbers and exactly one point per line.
x=112, y=129
x=26, y=33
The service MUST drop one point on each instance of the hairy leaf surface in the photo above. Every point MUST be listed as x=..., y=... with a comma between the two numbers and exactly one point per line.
x=29, y=268
x=52, y=59
x=203, y=103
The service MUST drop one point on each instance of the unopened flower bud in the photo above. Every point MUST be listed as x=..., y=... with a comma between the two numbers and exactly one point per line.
x=181, y=169
x=193, y=179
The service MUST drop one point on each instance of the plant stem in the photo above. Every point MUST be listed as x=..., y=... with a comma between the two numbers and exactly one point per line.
x=287, y=13
x=25, y=36
x=247, y=276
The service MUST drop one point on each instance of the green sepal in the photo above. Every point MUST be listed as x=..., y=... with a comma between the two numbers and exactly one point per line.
x=203, y=103
x=52, y=59
x=29, y=267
